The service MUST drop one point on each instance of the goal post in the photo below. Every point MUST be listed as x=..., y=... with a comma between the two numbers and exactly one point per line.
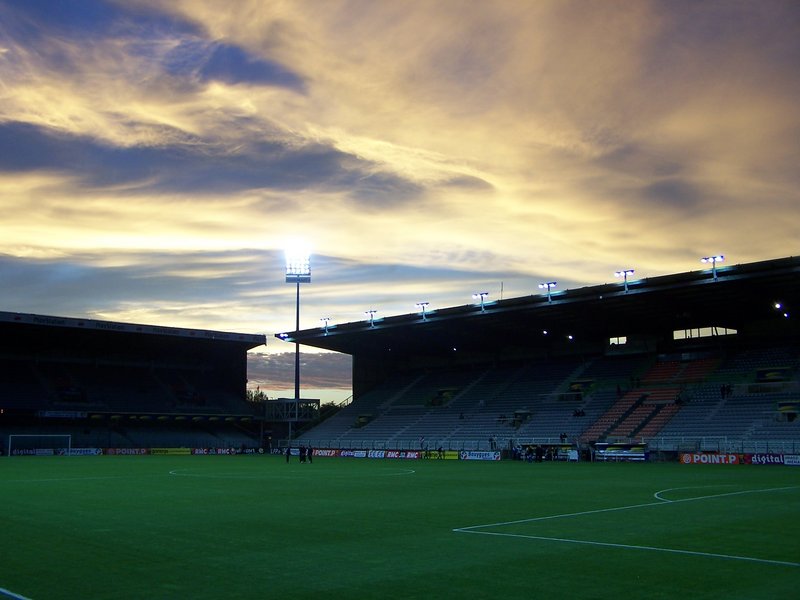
x=24, y=444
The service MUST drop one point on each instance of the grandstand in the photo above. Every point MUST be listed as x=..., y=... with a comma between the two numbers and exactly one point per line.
x=679, y=362
x=117, y=385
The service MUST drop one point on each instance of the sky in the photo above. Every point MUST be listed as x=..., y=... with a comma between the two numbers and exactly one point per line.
x=157, y=157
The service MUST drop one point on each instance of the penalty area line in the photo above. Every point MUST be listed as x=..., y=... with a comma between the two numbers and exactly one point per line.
x=4, y=593
x=634, y=547
x=662, y=502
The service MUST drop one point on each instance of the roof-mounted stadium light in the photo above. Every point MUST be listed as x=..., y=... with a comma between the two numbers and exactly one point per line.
x=778, y=306
x=548, y=286
x=624, y=274
x=422, y=307
x=482, y=296
x=325, y=321
x=713, y=260
x=371, y=312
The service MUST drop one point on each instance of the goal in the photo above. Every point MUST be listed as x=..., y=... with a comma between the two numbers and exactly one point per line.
x=39, y=444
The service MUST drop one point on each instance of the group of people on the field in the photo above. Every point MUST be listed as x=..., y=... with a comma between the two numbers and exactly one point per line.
x=305, y=453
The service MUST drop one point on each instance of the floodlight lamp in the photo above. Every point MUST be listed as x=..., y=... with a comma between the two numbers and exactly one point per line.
x=482, y=296
x=548, y=286
x=777, y=305
x=624, y=274
x=712, y=259
x=423, y=306
x=298, y=264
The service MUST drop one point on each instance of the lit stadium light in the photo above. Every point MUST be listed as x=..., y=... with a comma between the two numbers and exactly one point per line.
x=548, y=286
x=423, y=306
x=779, y=306
x=624, y=274
x=298, y=270
x=325, y=321
x=298, y=264
x=713, y=260
x=371, y=312
x=482, y=296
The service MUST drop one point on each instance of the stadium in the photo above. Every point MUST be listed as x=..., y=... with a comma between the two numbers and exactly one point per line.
x=599, y=431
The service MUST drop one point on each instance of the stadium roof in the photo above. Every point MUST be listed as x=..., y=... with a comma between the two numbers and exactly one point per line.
x=742, y=296
x=67, y=323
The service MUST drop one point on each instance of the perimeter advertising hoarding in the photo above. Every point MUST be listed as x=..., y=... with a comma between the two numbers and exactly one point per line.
x=708, y=458
x=492, y=455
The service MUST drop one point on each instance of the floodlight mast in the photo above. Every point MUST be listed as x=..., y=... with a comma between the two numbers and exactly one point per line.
x=548, y=286
x=325, y=320
x=371, y=312
x=298, y=270
x=423, y=306
x=482, y=296
x=624, y=274
x=713, y=260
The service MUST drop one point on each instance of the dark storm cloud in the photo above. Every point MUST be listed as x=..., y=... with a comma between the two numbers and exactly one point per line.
x=75, y=283
x=194, y=168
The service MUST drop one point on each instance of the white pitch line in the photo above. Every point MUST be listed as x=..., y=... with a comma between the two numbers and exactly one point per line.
x=9, y=594
x=63, y=479
x=616, y=508
x=662, y=502
x=690, y=487
x=632, y=547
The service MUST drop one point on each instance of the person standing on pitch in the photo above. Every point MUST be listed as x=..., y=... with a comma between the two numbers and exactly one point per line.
x=288, y=453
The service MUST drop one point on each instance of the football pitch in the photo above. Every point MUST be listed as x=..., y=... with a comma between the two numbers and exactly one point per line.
x=255, y=527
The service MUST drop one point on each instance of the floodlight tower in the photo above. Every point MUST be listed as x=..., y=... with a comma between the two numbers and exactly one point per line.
x=482, y=296
x=298, y=270
x=325, y=320
x=548, y=286
x=423, y=306
x=371, y=312
x=624, y=274
x=713, y=260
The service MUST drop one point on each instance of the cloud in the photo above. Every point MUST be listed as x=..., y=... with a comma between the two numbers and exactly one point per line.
x=425, y=150
x=276, y=371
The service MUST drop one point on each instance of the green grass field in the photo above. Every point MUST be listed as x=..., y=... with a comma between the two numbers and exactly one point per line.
x=255, y=527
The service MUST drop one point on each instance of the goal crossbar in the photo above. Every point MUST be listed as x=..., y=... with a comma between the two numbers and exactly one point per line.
x=35, y=436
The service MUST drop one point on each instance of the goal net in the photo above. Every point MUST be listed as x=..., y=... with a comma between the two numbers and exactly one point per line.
x=39, y=445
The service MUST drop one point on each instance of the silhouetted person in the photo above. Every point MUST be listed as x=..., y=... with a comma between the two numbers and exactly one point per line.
x=288, y=453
